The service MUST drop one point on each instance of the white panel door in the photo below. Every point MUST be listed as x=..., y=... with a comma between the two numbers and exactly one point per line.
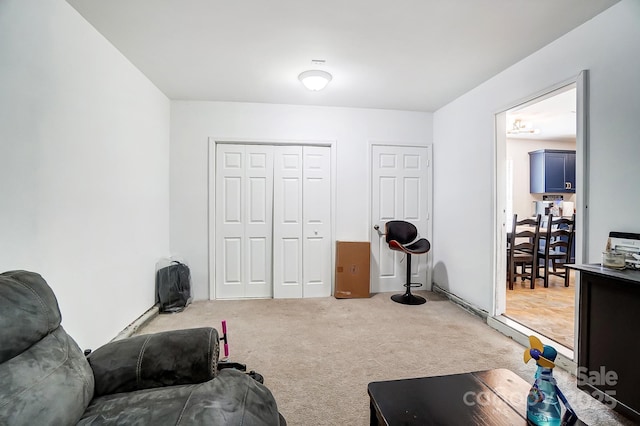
x=273, y=221
x=287, y=222
x=316, y=214
x=401, y=190
x=244, y=196
x=230, y=230
x=258, y=221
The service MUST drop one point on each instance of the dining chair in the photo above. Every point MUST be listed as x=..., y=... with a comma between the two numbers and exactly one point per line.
x=555, y=249
x=523, y=249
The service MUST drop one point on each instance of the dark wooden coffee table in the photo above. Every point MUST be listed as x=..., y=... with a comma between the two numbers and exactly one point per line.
x=492, y=397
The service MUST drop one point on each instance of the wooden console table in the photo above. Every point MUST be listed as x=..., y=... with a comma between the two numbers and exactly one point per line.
x=608, y=345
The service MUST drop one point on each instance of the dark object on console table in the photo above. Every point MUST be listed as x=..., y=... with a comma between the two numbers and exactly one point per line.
x=608, y=346
x=156, y=379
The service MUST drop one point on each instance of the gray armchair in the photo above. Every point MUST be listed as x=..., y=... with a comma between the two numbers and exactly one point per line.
x=165, y=378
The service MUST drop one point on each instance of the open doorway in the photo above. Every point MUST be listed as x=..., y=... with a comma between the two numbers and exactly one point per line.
x=544, y=128
x=554, y=120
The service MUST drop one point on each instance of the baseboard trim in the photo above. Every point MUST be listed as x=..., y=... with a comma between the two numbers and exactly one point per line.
x=469, y=307
x=520, y=334
x=132, y=328
x=513, y=329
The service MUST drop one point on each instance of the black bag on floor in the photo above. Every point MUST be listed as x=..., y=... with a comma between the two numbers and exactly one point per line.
x=173, y=287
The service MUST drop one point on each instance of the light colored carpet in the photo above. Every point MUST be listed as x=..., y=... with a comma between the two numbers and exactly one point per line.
x=318, y=355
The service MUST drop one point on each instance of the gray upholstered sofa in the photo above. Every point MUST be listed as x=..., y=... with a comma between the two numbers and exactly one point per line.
x=161, y=379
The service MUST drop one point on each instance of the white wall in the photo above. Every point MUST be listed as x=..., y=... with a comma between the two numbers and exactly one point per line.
x=84, y=142
x=351, y=129
x=518, y=151
x=463, y=154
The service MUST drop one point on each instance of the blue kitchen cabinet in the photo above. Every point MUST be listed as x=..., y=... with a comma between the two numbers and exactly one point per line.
x=552, y=170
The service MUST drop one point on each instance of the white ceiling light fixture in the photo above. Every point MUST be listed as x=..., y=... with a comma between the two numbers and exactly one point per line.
x=315, y=80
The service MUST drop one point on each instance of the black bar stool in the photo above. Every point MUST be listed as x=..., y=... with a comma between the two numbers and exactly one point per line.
x=403, y=236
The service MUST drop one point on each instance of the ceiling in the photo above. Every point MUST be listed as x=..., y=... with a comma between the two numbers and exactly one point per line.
x=415, y=55
x=552, y=115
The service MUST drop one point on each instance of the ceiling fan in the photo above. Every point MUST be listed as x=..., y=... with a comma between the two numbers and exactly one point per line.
x=520, y=127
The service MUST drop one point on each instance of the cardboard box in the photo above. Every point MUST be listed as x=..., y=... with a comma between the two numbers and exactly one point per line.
x=353, y=260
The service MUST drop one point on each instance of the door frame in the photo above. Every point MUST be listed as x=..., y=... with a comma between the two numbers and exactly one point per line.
x=581, y=80
x=212, y=143
x=429, y=230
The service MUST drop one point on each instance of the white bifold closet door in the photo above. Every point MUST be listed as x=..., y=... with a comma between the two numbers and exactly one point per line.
x=273, y=232
x=302, y=222
x=244, y=236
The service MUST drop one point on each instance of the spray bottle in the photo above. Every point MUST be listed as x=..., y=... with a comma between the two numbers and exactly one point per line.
x=543, y=402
